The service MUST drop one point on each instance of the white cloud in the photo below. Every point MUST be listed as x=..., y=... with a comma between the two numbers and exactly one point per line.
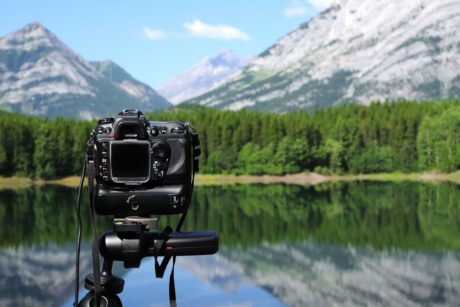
x=154, y=34
x=299, y=8
x=295, y=11
x=322, y=4
x=223, y=32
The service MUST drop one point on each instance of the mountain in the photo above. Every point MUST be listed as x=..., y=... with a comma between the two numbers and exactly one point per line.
x=355, y=51
x=116, y=74
x=203, y=77
x=40, y=75
x=40, y=275
x=318, y=274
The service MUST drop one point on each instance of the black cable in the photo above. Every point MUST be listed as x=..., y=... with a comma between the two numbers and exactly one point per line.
x=172, y=286
x=77, y=256
x=95, y=245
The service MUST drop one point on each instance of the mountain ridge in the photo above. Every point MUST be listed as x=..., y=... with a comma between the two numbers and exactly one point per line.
x=116, y=74
x=353, y=52
x=40, y=75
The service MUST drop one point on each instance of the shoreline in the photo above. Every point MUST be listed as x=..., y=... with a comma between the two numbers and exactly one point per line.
x=291, y=179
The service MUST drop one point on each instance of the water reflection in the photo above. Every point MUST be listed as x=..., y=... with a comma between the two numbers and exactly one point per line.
x=201, y=281
x=311, y=274
x=39, y=275
x=405, y=216
x=348, y=244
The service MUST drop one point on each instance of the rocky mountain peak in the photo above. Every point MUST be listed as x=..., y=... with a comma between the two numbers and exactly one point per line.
x=30, y=37
x=35, y=29
x=226, y=58
x=204, y=76
x=40, y=75
x=354, y=51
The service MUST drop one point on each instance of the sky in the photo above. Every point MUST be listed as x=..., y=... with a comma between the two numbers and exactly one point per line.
x=156, y=40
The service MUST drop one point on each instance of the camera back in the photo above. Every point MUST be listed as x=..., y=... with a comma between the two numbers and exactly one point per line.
x=143, y=167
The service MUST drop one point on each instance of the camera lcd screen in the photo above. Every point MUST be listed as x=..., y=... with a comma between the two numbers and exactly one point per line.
x=130, y=160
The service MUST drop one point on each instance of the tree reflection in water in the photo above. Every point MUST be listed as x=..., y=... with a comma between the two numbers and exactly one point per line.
x=361, y=243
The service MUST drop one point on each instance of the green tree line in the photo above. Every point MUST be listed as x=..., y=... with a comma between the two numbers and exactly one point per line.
x=42, y=148
x=383, y=137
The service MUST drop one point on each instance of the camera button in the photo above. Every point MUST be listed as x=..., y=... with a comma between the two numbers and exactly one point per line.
x=175, y=201
x=134, y=202
x=106, y=120
x=154, y=131
x=178, y=130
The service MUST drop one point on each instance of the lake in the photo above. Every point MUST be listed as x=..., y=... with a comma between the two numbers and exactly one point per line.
x=347, y=244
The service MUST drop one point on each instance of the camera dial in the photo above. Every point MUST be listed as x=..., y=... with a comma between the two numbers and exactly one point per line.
x=160, y=151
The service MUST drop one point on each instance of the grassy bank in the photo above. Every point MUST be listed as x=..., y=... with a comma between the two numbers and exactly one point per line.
x=16, y=182
x=297, y=179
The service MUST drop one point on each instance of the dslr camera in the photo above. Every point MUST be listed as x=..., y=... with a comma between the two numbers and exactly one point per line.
x=143, y=167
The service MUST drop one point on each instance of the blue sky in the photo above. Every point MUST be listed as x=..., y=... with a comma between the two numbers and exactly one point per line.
x=155, y=40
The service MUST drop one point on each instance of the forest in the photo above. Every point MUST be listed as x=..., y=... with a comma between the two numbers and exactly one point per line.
x=401, y=136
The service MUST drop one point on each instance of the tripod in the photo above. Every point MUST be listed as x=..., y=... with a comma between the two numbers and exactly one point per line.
x=110, y=286
x=131, y=241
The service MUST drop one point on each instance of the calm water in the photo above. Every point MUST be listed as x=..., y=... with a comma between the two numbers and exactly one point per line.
x=359, y=244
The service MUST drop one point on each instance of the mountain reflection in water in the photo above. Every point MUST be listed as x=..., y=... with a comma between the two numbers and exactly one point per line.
x=311, y=274
x=376, y=244
x=39, y=275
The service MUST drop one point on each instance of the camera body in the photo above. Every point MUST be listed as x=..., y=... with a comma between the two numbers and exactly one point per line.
x=143, y=167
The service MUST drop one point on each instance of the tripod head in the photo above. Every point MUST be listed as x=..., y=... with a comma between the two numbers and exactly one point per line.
x=131, y=241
